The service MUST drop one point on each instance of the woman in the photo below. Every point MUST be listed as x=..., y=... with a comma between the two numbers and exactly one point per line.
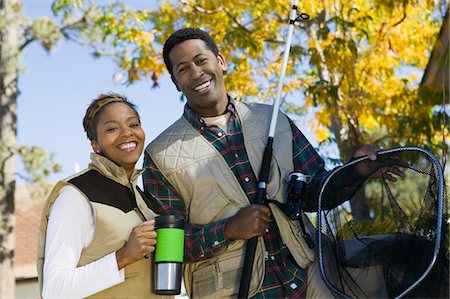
x=96, y=229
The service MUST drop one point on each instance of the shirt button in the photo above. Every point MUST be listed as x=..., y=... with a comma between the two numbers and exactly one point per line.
x=247, y=179
x=216, y=243
x=202, y=128
x=272, y=257
x=202, y=255
x=267, y=230
x=219, y=134
x=236, y=155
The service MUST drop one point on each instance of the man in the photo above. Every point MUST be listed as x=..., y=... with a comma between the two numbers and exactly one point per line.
x=205, y=166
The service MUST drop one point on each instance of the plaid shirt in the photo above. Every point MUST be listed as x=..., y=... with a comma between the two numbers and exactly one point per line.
x=283, y=277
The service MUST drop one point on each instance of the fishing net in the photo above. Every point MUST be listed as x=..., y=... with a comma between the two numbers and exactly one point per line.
x=386, y=238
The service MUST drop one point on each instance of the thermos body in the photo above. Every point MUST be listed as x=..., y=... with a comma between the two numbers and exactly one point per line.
x=168, y=255
x=168, y=278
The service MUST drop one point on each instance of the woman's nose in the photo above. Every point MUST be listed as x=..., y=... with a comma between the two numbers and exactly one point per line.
x=127, y=131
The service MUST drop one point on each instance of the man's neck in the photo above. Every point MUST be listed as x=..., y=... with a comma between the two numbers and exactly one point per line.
x=219, y=121
x=219, y=111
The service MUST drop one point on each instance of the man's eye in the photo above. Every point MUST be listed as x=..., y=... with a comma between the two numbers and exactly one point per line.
x=201, y=61
x=135, y=125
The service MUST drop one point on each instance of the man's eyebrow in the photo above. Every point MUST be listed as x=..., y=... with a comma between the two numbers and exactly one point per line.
x=195, y=57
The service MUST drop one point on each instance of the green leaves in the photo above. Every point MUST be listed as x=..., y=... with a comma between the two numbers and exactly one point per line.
x=66, y=6
x=39, y=165
x=46, y=31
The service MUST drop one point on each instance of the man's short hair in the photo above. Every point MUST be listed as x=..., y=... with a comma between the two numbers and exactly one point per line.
x=182, y=35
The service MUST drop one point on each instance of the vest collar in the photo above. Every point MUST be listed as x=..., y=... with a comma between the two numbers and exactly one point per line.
x=197, y=121
x=111, y=170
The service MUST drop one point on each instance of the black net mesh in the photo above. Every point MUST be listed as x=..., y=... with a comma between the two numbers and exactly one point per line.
x=386, y=237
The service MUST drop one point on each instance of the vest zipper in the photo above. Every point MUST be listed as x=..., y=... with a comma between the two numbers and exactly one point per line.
x=136, y=208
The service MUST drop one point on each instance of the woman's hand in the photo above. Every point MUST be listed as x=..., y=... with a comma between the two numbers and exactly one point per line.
x=141, y=241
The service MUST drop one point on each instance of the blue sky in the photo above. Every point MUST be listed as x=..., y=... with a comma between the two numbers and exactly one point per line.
x=56, y=89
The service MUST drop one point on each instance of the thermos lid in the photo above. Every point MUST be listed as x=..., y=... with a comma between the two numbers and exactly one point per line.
x=168, y=221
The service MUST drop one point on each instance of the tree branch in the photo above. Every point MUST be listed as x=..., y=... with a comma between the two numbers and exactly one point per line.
x=28, y=41
x=202, y=10
x=65, y=30
x=236, y=21
x=403, y=17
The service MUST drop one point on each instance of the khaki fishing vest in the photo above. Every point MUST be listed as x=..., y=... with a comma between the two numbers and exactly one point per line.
x=211, y=192
x=112, y=229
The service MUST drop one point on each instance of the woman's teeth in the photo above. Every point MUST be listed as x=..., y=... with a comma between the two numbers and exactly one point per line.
x=128, y=146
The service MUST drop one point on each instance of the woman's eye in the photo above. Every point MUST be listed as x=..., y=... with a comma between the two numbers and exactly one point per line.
x=111, y=129
x=135, y=125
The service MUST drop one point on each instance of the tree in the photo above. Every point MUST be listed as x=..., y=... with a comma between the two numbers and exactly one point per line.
x=8, y=85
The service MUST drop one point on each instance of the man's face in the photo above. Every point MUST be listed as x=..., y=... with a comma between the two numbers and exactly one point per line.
x=198, y=73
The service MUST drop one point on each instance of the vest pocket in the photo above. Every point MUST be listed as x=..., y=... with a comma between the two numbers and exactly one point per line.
x=220, y=278
x=214, y=206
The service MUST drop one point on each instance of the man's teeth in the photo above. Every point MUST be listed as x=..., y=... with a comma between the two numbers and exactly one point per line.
x=128, y=145
x=204, y=85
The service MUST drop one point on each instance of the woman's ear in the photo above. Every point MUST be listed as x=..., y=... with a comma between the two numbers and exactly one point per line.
x=95, y=147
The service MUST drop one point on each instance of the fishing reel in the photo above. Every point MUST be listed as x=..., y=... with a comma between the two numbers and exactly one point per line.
x=296, y=189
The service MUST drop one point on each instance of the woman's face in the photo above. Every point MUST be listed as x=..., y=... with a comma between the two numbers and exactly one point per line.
x=120, y=137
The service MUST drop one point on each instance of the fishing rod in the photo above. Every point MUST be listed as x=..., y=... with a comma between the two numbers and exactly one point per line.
x=260, y=195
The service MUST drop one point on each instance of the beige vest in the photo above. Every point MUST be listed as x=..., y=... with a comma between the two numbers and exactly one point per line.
x=112, y=229
x=211, y=192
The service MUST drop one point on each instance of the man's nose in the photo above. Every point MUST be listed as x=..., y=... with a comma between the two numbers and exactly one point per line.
x=196, y=71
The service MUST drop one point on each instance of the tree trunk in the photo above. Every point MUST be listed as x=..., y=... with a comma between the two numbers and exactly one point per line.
x=8, y=125
x=347, y=148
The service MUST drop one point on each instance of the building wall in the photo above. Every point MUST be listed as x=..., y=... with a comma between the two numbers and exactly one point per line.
x=27, y=289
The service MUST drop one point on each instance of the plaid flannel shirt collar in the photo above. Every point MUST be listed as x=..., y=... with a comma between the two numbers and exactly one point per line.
x=197, y=121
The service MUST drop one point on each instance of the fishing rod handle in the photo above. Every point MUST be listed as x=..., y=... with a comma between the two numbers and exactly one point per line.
x=247, y=269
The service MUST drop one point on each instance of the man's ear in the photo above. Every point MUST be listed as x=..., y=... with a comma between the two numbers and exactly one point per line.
x=222, y=62
x=175, y=82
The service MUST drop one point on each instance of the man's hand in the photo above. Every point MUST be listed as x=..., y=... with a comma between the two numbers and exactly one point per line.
x=381, y=168
x=249, y=222
x=367, y=150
